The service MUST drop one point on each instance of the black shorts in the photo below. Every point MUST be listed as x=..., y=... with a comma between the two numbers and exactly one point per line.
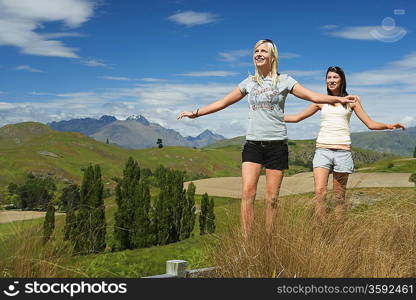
x=271, y=154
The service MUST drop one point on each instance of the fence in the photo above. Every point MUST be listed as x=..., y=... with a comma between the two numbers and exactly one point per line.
x=177, y=269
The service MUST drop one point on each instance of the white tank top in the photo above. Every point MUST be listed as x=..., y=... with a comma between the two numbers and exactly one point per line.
x=335, y=121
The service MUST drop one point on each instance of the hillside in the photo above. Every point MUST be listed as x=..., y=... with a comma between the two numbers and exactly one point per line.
x=18, y=134
x=34, y=147
x=397, y=142
x=301, y=152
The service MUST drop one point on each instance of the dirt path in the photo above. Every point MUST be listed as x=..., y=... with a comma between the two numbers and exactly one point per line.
x=299, y=183
x=7, y=216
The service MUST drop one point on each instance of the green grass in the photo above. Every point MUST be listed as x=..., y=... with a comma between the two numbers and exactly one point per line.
x=138, y=262
x=392, y=165
x=152, y=261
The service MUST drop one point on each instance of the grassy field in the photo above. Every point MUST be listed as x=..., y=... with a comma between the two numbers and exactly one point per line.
x=377, y=239
x=397, y=204
x=392, y=165
x=34, y=147
x=129, y=263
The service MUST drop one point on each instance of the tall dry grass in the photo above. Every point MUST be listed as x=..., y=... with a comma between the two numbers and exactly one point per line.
x=378, y=240
x=24, y=255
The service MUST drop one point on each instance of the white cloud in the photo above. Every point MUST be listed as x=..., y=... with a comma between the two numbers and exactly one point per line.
x=56, y=35
x=370, y=33
x=93, y=63
x=210, y=74
x=116, y=78
x=401, y=72
x=305, y=73
x=150, y=79
x=388, y=94
x=234, y=55
x=28, y=68
x=288, y=55
x=409, y=61
x=192, y=18
x=329, y=26
x=19, y=21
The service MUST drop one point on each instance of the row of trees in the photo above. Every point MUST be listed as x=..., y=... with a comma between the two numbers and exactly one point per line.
x=139, y=221
x=85, y=224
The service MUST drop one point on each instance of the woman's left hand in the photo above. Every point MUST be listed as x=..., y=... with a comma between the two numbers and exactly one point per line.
x=396, y=126
x=188, y=114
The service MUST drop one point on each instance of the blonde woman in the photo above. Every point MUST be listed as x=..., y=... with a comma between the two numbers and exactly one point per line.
x=333, y=144
x=266, y=138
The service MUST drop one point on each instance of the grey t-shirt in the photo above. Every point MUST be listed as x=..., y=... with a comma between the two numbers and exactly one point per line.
x=267, y=105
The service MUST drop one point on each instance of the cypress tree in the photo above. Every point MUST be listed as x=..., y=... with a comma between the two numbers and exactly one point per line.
x=177, y=201
x=142, y=235
x=161, y=215
x=414, y=152
x=98, y=224
x=125, y=199
x=49, y=222
x=188, y=217
x=88, y=235
x=70, y=197
x=79, y=236
x=211, y=217
x=70, y=224
x=203, y=214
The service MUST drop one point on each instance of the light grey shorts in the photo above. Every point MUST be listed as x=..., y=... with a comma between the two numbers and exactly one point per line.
x=339, y=161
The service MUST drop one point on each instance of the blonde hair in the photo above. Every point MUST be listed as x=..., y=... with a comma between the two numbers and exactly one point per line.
x=274, y=61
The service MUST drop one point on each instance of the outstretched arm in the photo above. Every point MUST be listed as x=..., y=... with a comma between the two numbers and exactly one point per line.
x=309, y=111
x=306, y=94
x=373, y=125
x=233, y=97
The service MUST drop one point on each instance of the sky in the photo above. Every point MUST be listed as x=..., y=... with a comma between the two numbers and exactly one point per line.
x=66, y=59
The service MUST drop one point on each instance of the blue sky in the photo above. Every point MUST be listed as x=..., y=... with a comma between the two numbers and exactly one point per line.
x=66, y=59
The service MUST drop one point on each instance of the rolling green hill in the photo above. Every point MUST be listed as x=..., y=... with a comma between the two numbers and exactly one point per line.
x=397, y=142
x=34, y=147
x=301, y=152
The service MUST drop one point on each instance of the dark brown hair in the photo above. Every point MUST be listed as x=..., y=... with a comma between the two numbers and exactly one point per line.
x=341, y=73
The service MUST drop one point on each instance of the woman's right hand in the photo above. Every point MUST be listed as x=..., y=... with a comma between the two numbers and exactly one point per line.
x=349, y=99
x=188, y=114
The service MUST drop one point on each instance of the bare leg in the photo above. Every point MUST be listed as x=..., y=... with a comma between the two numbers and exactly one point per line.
x=273, y=181
x=320, y=176
x=340, y=186
x=250, y=174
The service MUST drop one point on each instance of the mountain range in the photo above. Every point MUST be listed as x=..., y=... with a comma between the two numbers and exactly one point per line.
x=136, y=132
